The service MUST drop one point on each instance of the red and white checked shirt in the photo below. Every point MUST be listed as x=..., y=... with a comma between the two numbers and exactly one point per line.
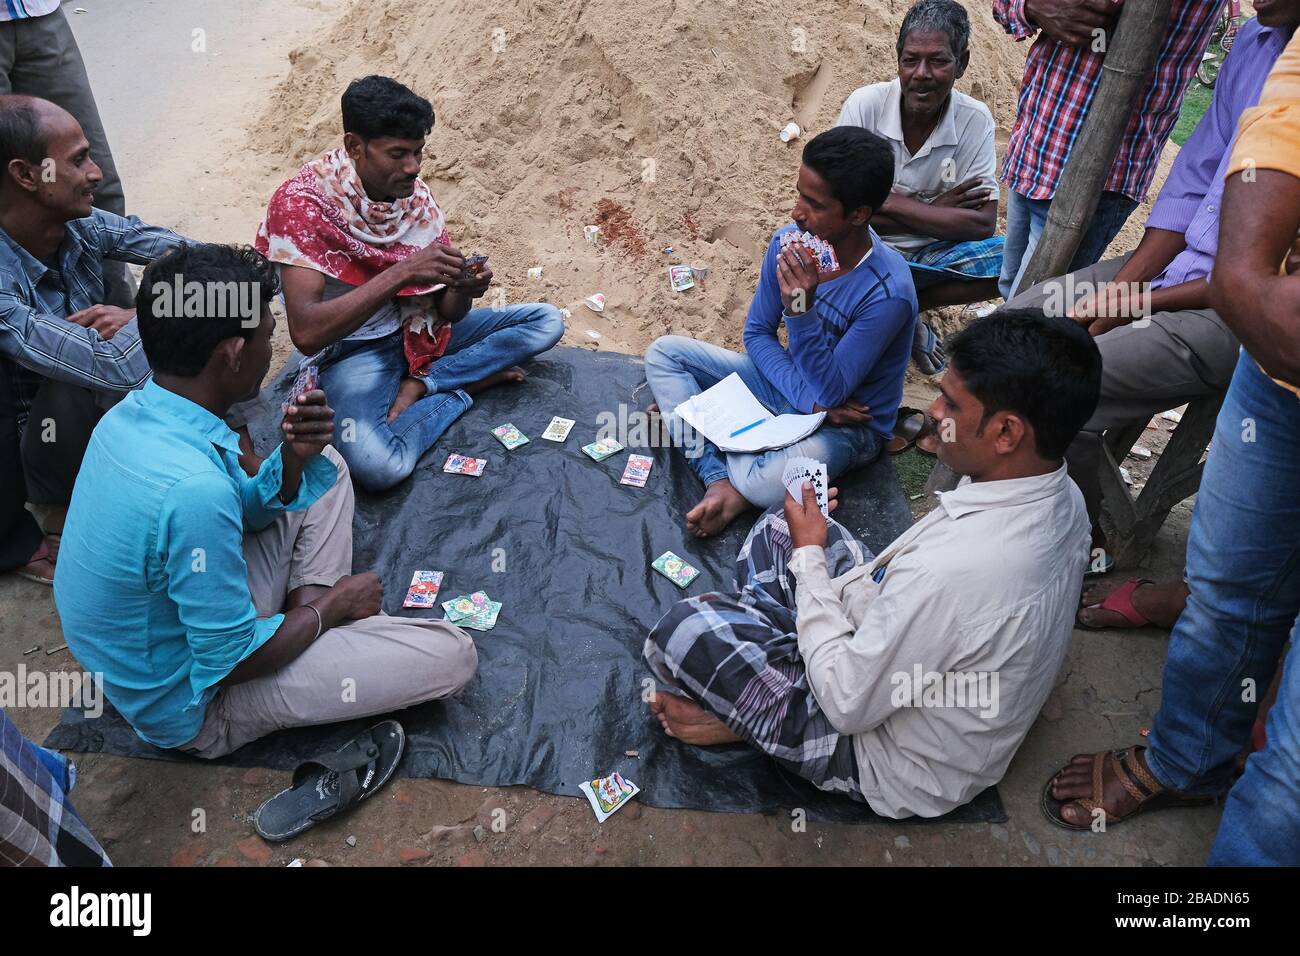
x=1059, y=83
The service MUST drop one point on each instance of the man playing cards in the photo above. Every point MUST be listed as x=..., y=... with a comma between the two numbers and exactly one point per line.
x=373, y=283
x=219, y=606
x=849, y=329
x=907, y=680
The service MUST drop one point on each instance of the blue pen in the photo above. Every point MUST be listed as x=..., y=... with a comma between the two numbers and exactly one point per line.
x=747, y=427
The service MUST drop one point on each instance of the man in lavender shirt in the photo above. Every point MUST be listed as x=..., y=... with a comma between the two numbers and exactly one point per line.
x=1161, y=343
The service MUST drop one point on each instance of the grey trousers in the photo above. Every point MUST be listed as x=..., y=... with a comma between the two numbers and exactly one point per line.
x=358, y=669
x=1147, y=367
x=58, y=430
x=39, y=57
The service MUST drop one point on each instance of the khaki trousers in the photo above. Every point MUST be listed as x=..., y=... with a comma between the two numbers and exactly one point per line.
x=1146, y=368
x=359, y=669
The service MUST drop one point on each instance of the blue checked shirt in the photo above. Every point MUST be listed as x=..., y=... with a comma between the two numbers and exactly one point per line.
x=36, y=298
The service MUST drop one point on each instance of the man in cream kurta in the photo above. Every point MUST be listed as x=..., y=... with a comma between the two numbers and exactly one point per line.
x=908, y=680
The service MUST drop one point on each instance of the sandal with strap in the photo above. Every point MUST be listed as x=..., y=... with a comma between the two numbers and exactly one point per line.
x=1137, y=781
x=1121, y=602
x=28, y=572
x=332, y=783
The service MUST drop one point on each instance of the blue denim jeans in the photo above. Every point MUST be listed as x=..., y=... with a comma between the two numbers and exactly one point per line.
x=361, y=379
x=677, y=367
x=1025, y=219
x=1243, y=569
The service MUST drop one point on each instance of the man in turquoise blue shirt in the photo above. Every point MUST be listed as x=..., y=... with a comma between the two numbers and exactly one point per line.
x=218, y=606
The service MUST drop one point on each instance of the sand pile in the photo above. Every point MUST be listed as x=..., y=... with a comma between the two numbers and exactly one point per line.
x=657, y=120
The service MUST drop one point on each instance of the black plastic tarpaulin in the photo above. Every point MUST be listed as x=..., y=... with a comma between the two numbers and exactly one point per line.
x=552, y=535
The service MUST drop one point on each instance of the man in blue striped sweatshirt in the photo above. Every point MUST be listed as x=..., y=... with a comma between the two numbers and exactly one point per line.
x=849, y=335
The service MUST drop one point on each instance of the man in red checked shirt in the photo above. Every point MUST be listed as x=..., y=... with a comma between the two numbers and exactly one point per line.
x=1062, y=72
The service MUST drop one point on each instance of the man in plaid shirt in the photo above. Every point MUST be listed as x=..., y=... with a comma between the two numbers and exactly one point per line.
x=1062, y=72
x=65, y=356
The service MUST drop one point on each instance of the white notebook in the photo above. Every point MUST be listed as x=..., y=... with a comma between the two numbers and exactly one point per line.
x=729, y=406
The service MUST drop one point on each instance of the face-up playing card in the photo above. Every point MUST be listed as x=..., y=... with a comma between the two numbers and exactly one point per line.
x=637, y=472
x=558, y=429
x=607, y=794
x=675, y=569
x=510, y=436
x=423, y=591
x=799, y=470
x=462, y=465
x=602, y=449
x=308, y=378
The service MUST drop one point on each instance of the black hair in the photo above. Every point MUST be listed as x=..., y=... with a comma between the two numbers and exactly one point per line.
x=857, y=165
x=938, y=16
x=180, y=329
x=1046, y=369
x=376, y=106
x=22, y=134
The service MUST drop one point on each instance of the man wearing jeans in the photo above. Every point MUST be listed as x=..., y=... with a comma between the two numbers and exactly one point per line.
x=1243, y=553
x=1062, y=72
x=850, y=337
x=375, y=291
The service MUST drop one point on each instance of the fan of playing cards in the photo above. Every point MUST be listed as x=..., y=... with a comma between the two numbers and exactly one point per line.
x=799, y=470
x=823, y=252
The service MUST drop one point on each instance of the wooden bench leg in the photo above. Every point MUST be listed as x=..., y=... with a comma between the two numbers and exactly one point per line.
x=1133, y=524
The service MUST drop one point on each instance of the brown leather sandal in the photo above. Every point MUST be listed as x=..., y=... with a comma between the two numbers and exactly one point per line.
x=1149, y=792
x=28, y=571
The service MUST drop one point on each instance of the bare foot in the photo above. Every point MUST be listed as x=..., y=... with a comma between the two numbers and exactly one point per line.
x=408, y=393
x=690, y=723
x=1159, y=603
x=721, y=505
x=513, y=375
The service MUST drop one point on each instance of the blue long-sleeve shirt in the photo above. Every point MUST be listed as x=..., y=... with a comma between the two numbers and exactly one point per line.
x=854, y=343
x=151, y=583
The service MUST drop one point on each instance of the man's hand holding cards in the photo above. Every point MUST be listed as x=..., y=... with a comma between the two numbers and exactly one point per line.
x=808, y=502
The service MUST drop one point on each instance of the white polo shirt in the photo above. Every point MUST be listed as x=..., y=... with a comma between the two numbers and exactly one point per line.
x=960, y=148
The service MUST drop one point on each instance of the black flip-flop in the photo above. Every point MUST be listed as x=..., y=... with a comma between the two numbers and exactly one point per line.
x=332, y=783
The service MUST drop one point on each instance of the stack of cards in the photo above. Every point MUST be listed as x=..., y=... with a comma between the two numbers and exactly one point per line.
x=822, y=251
x=675, y=569
x=558, y=429
x=510, y=436
x=307, y=380
x=602, y=448
x=637, y=471
x=461, y=465
x=607, y=794
x=475, y=611
x=423, y=591
x=799, y=470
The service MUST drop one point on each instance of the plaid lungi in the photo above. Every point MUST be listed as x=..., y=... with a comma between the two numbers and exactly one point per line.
x=974, y=259
x=38, y=826
x=738, y=657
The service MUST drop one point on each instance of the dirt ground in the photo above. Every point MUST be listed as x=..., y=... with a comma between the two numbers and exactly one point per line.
x=178, y=122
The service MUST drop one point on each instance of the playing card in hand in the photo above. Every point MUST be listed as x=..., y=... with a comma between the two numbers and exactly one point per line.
x=799, y=470
x=308, y=379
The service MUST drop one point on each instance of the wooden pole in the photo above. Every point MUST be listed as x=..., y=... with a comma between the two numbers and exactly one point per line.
x=1130, y=56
